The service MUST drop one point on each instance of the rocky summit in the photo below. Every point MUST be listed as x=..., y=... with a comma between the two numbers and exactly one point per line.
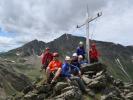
x=99, y=83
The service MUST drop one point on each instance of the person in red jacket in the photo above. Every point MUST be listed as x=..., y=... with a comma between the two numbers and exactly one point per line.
x=47, y=57
x=93, y=54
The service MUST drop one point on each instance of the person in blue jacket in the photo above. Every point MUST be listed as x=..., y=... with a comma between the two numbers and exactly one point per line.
x=67, y=73
x=69, y=70
x=81, y=49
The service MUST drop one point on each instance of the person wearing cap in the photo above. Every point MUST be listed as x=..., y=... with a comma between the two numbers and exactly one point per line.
x=67, y=73
x=68, y=69
x=93, y=53
x=74, y=61
x=81, y=49
x=46, y=58
x=54, y=68
x=80, y=60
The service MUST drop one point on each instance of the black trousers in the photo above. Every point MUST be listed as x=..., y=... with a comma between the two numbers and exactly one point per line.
x=93, y=60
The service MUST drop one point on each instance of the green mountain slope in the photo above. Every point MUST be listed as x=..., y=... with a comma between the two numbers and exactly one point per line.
x=67, y=44
x=11, y=81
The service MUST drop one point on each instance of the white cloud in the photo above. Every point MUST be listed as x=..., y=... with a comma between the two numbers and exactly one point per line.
x=7, y=43
x=48, y=19
x=116, y=23
x=43, y=16
x=5, y=40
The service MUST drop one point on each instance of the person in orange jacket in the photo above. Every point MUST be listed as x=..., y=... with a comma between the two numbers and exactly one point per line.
x=46, y=58
x=93, y=54
x=54, y=69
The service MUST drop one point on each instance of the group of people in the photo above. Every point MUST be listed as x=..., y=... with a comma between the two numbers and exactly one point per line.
x=71, y=68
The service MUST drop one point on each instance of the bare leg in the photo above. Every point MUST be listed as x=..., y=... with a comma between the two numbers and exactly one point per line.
x=57, y=74
x=47, y=73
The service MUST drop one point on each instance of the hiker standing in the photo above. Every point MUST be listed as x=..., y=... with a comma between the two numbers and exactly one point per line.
x=54, y=69
x=93, y=53
x=46, y=58
x=81, y=50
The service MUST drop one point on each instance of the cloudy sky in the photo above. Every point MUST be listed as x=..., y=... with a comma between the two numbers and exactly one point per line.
x=24, y=20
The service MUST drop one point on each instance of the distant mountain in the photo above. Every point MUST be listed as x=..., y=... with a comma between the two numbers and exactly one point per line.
x=11, y=81
x=67, y=44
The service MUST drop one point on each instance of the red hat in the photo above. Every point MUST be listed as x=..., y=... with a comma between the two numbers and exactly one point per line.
x=55, y=54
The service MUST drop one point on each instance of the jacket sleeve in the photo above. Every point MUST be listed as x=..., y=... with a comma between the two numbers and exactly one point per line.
x=75, y=67
x=43, y=59
x=65, y=72
x=77, y=51
x=51, y=57
x=84, y=51
x=98, y=54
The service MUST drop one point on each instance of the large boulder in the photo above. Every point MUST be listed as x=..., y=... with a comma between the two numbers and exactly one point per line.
x=129, y=96
x=30, y=96
x=43, y=88
x=97, y=85
x=110, y=97
x=86, y=80
x=42, y=96
x=128, y=86
x=71, y=93
x=60, y=85
x=28, y=88
x=96, y=67
x=118, y=83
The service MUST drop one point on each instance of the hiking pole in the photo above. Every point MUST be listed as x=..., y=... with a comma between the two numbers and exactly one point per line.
x=122, y=68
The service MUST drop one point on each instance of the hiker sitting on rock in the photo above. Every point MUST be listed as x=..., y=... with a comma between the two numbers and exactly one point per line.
x=93, y=53
x=74, y=61
x=46, y=58
x=68, y=73
x=80, y=60
x=54, y=68
x=81, y=50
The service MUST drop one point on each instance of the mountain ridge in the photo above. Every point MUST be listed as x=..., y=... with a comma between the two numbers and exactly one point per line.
x=67, y=44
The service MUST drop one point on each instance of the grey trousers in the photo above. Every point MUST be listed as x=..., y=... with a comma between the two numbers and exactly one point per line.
x=80, y=83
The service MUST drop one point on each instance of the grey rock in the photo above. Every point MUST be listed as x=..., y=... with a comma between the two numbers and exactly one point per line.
x=129, y=96
x=60, y=85
x=41, y=96
x=69, y=88
x=73, y=94
x=128, y=86
x=28, y=88
x=118, y=83
x=86, y=80
x=110, y=97
x=30, y=96
x=99, y=73
x=97, y=67
x=97, y=85
x=43, y=88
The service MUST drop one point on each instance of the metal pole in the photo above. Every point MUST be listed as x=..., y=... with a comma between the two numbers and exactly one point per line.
x=87, y=41
x=87, y=36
